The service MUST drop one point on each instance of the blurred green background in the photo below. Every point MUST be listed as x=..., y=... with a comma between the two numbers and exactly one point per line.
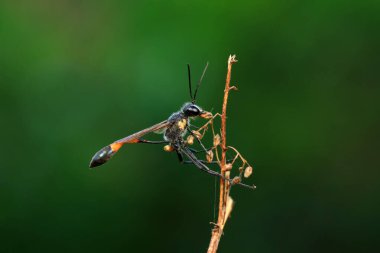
x=76, y=75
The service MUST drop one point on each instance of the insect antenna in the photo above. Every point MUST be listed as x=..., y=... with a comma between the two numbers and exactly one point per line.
x=189, y=76
x=199, y=83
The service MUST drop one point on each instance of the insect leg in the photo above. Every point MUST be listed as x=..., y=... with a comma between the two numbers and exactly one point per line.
x=203, y=161
x=199, y=164
x=199, y=151
x=180, y=157
x=231, y=181
x=151, y=142
x=204, y=168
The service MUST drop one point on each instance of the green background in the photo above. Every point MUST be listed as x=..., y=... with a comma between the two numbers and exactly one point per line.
x=77, y=75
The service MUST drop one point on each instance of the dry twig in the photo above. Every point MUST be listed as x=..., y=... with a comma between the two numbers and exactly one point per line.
x=225, y=201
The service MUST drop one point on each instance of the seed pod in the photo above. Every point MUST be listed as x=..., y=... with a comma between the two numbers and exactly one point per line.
x=206, y=115
x=190, y=140
x=209, y=156
x=236, y=180
x=216, y=140
x=248, y=171
x=197, y=134
x=168, y=148
x=228, y=166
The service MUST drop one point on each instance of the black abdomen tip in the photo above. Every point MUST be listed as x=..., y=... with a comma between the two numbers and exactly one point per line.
x=101, y=157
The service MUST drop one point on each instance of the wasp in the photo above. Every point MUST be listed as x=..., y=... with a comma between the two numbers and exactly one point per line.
x=174, y=129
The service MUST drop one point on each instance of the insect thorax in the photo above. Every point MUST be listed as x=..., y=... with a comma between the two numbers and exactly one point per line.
x=177, y=128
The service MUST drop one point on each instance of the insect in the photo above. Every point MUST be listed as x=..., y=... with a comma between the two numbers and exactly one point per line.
x=174, y=130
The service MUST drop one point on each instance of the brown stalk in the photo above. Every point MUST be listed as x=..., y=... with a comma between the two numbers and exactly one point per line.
x=225, y=201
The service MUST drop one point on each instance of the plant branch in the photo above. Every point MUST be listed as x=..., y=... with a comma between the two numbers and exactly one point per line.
x=225, y=201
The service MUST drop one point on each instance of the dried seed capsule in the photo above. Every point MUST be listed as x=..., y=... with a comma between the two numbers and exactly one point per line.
x=236, y=180
x=168, y=148
x=197, y=134
x=206, y=115
x=228, y=166
x=209, y=156
x=248, y=171
x=216, y=140
x=190, y=140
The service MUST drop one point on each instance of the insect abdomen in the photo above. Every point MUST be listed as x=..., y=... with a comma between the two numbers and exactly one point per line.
x=103, y=155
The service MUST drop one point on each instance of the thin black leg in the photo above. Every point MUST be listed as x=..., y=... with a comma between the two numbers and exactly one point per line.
x=180, y=157
x=214, y=173
x=203, y=161
x=199, y=151
x=204, y=168
x=152, y=142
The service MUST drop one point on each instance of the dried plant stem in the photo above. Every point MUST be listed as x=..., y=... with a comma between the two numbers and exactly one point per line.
x=225, y=201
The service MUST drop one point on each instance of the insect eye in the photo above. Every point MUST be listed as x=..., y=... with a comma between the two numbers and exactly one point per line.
x=192, y=111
